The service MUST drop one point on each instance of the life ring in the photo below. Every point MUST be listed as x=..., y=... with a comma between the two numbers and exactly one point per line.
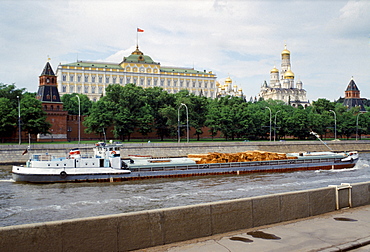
x=63, y=174
x=113, y=152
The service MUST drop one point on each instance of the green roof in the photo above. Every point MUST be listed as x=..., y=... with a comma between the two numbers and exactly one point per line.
x=183, y=70
x=144, y=59
x=93, y=64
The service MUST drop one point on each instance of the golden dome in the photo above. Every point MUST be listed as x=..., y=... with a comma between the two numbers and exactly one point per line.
x=274, y=70
x=240, y=89
x=218, y=84
x=285, y=51
x=228, y=80
x=289, y=74
x=222, y=88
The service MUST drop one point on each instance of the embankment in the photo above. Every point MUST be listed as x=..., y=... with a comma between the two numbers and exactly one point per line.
x=10, y=154
x=139, y=230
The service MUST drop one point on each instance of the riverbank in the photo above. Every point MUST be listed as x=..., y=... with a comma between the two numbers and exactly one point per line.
x=12, y=154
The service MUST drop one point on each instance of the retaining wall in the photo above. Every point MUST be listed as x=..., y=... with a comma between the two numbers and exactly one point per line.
x=138, y=230
x=10, y=154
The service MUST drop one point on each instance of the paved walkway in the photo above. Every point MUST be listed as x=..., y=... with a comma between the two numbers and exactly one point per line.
x=343, y=230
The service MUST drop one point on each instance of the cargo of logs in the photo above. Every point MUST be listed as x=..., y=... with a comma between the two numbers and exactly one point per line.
x=247, y=156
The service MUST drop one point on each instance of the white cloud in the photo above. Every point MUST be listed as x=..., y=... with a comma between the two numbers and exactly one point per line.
x=328, y=40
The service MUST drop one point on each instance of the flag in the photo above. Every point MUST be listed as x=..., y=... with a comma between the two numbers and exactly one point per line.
x=139, y=30
x=24, y=152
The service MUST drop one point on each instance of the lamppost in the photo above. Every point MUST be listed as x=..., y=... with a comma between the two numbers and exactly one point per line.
x=270, y=122
x=19, y=121
x=335, y=124
x=357, y=125
x=79, y=119
x=187, y=122
x=275, y=125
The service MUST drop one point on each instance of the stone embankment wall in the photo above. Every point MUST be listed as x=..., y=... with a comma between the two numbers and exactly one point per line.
x=139, y=230
x=10, y=154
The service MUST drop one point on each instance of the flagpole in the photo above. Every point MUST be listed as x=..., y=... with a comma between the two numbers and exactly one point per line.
x=137, y=38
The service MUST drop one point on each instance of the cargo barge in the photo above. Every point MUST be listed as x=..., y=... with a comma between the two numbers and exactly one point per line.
x=106, y=165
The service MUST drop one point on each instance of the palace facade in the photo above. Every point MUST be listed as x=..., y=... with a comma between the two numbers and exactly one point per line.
x=282, y=86
x=91, y=78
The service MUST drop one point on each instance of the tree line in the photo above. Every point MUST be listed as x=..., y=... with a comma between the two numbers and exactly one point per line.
x=130, y=108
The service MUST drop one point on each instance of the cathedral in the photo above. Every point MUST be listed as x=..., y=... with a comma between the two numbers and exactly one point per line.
x=282, y=86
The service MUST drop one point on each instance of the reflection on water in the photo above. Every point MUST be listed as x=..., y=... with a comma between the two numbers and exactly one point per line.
x=30, y=203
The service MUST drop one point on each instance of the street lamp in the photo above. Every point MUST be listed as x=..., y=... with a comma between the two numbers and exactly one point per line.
x=275, y=125
x=270, y=122
x=335, y=124
x=19, y=121
x=79, y=119
x=357, y=125
x=187, y=122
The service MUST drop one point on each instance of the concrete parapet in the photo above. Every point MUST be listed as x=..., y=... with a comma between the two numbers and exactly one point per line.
x=360, y=194
x=139, y=230
x=231, y=215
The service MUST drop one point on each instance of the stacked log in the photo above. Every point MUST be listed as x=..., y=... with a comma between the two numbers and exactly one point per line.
x=247, y=156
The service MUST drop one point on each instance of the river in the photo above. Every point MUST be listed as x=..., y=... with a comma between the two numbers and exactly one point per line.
x=32, y=203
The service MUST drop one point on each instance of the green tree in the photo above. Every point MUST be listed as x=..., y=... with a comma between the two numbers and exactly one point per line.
x=70, y=104
x=101, y=116
x=8, y=117
x=33, y=118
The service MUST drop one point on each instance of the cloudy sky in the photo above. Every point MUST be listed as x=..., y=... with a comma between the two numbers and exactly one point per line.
x=329, y=40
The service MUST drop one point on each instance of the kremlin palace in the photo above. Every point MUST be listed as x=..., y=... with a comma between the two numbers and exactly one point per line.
x=91, y=78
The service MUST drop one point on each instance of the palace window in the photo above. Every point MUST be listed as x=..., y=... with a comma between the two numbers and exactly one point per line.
x=162, y=82
x=181, y=83
x=206, y=84
x=114, y=79
x=100, y=79
x=168, y=82
x=106, y=79
x=148, y=82
x=71, y=78
x=187, y=83
x=86, y=78
x=78, y=78
x=193, y=83
x=86, y=89
x=93, y=79
x=93, y=89
x=71, y=89
x=128, y=80
x=64, y=88
x=79, y=89
x=155, y=82
x=174, y=83
x=120, y=80
x=135, y=80
x=142, y=81
x=64, y=77
x=100, y=90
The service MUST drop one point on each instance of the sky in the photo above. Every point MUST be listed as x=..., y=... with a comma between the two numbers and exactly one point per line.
x=329, y=40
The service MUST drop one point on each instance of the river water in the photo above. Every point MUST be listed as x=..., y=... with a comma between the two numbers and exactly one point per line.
x=32, y=203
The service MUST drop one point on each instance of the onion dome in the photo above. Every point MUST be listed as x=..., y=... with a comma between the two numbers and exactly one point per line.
x=222, y=88
x=240, y=89
x=274, y=70
x=218, y=84
x=285, y=51
x=288, y=74
x=228, y=80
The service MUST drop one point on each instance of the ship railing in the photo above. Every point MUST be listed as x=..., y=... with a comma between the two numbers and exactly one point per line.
x=236, y=164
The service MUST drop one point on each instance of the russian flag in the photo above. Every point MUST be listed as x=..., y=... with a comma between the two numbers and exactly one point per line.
x=139, y=30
